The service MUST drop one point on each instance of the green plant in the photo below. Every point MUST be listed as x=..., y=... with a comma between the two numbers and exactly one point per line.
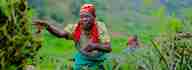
x=17, y=41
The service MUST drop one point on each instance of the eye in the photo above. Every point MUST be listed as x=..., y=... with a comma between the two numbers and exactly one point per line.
x=81, y=16
x=86, y=15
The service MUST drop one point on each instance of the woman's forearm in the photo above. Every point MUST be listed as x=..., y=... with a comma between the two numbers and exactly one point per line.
x=52, y=29
x=104, y=47
x=55, y=31
x=101, y=47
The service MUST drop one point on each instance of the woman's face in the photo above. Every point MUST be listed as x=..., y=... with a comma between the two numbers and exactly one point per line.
x=86, y=19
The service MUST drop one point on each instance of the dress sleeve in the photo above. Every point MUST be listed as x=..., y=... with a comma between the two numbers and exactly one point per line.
x=104, y=34
x=69, y=29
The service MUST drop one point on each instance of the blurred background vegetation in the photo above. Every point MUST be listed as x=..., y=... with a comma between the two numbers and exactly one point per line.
x=146, y=18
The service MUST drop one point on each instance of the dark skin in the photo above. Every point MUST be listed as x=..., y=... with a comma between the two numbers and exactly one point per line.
x=86, y=18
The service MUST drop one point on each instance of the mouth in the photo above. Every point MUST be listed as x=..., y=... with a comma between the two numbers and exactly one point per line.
x=87, y=26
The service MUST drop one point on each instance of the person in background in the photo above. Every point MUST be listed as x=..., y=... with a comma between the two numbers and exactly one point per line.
x=132, y=44
x=91, y=39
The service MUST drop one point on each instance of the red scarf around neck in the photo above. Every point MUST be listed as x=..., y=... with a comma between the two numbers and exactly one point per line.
x=94, y=35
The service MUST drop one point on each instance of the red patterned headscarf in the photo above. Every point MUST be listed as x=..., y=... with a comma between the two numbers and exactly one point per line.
x=88, y=8
x=94, y=35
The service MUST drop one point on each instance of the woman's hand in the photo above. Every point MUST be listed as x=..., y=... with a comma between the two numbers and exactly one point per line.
x=40, y=24
x=89, y=51
x=91, y=46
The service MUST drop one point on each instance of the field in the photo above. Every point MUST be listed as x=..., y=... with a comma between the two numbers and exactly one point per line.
x=56, y=54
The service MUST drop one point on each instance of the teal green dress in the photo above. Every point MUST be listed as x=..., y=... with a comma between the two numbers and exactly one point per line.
x=85, y=62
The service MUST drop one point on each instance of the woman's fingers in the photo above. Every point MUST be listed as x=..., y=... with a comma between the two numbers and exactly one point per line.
x=40, y=24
